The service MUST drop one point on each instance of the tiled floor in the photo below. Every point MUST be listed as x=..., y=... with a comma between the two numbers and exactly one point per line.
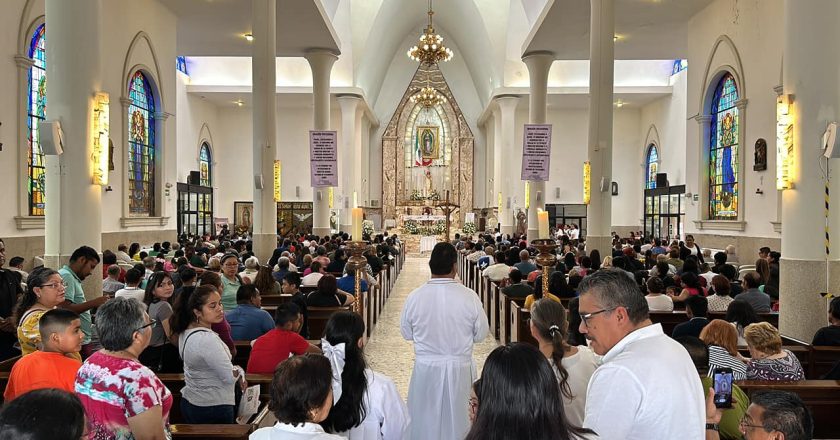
x=387, y=352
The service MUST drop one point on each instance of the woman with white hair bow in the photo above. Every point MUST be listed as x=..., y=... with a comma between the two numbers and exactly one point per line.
x=367, y=404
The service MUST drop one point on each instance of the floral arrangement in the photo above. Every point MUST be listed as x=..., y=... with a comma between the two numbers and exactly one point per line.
x=367, y=228
x=411, y=227
x=469, y=228
x=418, y=196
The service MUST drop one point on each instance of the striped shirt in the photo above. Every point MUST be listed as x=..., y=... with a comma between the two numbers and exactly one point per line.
x=720, y=358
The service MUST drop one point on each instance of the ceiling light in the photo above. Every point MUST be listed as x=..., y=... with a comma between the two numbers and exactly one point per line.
x=427, y=97
x=430, y=50
x=249, y=36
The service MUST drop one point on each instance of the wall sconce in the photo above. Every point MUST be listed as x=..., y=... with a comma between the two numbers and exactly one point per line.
x=587, y=182
x=784, y=142
x=330, y=197
x=277, y=175
x=527, y=194
x=499, y=202
x=101, y=133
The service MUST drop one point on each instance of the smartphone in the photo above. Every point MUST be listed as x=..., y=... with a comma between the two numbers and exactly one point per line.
x=722, y=380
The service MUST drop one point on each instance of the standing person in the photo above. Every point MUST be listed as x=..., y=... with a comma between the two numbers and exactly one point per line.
x=443, y=344
x=639, y=362
x=81, y=265
x=231, y=281
x=160, y=356
x=10, y=290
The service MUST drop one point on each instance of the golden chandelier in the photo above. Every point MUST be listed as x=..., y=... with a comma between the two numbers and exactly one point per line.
x=430, y=50
x=427, y=97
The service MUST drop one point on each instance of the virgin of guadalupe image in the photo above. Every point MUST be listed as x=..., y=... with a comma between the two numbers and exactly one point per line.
x=428, y=139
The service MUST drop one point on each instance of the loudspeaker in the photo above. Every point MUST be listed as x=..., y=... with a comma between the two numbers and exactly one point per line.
x=830, y=147
x=661, y=180
x=297, y=191
x=51, y=138
x=507, y=206
x=258, y=181
x=194, y=178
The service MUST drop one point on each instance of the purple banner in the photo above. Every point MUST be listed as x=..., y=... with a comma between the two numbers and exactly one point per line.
x=536, y=152
x=323, y=158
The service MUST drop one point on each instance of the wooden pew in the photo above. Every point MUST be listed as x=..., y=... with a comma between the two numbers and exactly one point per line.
x=520, y=329
x=505, y=317
x=495, y=321
x=318, y=317
x=822, y=360
x=227, y=432
x=669, y=320
x=275, y=300
x=243, y=352
x=822, y=397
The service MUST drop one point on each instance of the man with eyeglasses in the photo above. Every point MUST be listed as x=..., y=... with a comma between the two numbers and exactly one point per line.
x=647, y=387
x=772, y=415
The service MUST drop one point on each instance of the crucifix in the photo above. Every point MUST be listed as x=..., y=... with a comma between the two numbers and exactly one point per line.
x=447, y=208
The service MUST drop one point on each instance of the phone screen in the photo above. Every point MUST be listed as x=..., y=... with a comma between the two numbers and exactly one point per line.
x=723, y=387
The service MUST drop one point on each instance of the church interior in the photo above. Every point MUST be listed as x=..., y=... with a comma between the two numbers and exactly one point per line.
x=160, y=120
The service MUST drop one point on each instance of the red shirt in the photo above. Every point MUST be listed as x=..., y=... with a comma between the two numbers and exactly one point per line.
x=272, y=348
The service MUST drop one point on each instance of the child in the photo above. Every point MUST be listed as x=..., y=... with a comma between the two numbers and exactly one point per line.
x=52, y=366
x=279, y=343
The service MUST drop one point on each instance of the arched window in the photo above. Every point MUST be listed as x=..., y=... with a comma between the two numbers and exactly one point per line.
x=36, y=111
x=204, y=165
x=723, y=151
x=141, y=144
x=652, y=166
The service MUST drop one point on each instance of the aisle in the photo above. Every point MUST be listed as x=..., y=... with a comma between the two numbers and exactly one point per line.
x=387, y=352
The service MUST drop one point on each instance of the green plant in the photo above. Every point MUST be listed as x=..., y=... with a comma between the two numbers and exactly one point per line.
x=469, y=228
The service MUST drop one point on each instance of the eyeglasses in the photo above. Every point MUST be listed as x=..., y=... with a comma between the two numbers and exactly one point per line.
x=55, y=285
x=745, y=423
x=151, y=324
x=584, y=317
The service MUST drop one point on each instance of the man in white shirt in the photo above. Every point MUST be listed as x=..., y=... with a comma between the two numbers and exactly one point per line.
x=444, y=319
x=132, y=283
x=499, y=271
x=643, y=370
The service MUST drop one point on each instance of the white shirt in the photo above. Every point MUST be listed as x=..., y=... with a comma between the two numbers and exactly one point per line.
x=387, y=415
x=496, y=272
x=311, y=279
x=284, y=431
x=643, y=375
x=444, y=318
x=131, y=292
x=580, y=367
x=660, y=303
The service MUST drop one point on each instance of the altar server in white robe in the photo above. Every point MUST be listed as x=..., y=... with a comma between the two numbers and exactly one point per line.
x=367, y=404
x=444, y=319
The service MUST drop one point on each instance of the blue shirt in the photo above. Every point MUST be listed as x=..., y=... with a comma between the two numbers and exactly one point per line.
x=347, y=283
x=76, y=295
x=247, y=322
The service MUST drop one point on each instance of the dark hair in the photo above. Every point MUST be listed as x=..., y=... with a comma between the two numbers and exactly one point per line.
x=729, y=272
x=211, y=279
x=741, y=312
x=549, y=318
x=133, y=276
x=613, y=288
x=698, y=305
x=514, y=402
x=286, y=313
x=15, y=261
x=585, y=262
x=187, y=273
x=721, y=285
x=47, y=413
x=315, y=266
x=575, y=337
x=55, y=319
x=28, y=299
x=557, y=285
x=327, y=285
x=85, y=252
x=655, y=285
x=764, y=250
x=515, y=276
x=443, y=258
x=784, y=412
x=292, y=278
x=698, y=350
x=690, y=279
x=155, y=280
x=720, y=258
x=108, y=257
x=245, y=293
x=191, y=298
x=595, y=258
x=691, y=265
x=662, y=269
x=300, y=384
x=834, y=307
x=752, y=280
x=775, y=256
x=569, y=261
x=348, y=328
x=264, y=281
x=133, y=249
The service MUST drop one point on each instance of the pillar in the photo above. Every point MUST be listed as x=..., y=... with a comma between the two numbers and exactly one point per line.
x=349, y=157
x=264, y=120
x=504, y=151
x=599, y=149
x=321, y=63
x=74, y=203
x=539, y=64
x=811, y=78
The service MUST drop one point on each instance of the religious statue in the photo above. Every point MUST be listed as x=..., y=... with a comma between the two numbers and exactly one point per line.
x=428, y=175
x=521, y=222
x=333, y=221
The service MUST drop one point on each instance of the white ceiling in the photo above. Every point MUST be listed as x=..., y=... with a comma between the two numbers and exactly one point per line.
x=648, y=29
x=216, y=27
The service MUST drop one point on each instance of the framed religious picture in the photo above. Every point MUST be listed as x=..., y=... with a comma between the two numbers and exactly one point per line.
x=243, y=217
x=428, y=141
x=760, y=155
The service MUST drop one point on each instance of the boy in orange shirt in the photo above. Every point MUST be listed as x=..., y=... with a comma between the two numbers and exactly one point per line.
x=52, y=366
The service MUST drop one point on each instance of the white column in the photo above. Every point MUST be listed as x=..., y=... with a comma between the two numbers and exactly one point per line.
x=321, y=63
x=264, y=119
x=539, y=64
x=349, y=156
x=601, y=44
x=811, y=78
x=74, y=203
x=505, y=179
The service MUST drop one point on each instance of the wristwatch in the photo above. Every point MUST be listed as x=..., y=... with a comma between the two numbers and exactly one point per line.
x=712, y=426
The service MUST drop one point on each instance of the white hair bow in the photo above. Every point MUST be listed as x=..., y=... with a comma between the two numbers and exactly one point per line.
x=335, y=354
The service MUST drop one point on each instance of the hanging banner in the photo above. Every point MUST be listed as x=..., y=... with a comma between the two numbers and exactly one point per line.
x=323, y=158
x=536, y=152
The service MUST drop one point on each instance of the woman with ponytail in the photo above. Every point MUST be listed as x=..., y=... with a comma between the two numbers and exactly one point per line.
x=573, y=366
x=367, y=405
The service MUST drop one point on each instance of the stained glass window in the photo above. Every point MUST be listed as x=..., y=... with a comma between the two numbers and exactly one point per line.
x=723, y=151
x=679, y=66
x=141, y=144
x=652, y=167
x=204, y=165
x=181, y=65
x=36, y=112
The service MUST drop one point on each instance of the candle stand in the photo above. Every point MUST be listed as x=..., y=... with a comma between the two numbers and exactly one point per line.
x=357, y=263
x=545, y=259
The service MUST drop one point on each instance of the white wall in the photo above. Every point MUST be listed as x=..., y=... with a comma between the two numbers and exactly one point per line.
x=755, y=29
x=197, y=122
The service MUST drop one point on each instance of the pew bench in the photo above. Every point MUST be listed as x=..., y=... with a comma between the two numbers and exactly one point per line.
x=822, y=397
x=220, y=432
